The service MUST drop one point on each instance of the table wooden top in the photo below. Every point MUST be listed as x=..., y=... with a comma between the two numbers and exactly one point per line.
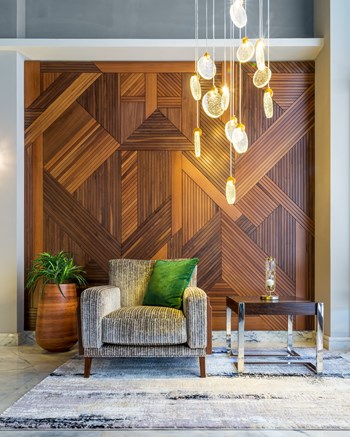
x=253, y=305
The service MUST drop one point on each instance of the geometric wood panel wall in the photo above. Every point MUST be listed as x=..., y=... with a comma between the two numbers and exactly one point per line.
x=110, y=172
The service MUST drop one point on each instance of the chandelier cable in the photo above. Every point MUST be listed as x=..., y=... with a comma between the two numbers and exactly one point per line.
x=261, y=8
x=240, y=84
x=214, y=38
x=225, y=42
x=268, y=38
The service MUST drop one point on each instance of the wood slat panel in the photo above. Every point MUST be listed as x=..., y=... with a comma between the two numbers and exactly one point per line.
x=66, y=98
x=101, y=101
x=102, y=188
x=156, y=133
x=209, y=189
x=149, y=238
x=79, y=224
x=132, y=84
x=31, y=82
x=129, y=194
x=199, y=208
x=150, y=197
x=281, y=137
x=280, y=196
x=145, y=67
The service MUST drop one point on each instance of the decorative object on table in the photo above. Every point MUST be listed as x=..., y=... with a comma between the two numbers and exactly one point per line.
x=270, y=280
x=56, y=276
x=115, y=323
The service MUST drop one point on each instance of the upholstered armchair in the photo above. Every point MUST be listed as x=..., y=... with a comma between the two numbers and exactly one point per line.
x=114, y=323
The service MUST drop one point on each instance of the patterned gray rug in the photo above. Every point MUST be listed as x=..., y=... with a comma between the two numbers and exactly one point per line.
x=168, y=394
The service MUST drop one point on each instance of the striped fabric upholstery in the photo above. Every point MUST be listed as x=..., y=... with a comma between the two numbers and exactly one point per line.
x=132, y=277
x=95, y=303
x=115, y=324
x=195, y=310
x=144, y=325
x=114, y=350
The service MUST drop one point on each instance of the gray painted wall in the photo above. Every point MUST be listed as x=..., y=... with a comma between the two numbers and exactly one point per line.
x=147, y=18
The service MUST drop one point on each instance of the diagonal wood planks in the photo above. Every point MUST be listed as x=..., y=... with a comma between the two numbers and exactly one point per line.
x=113, y=174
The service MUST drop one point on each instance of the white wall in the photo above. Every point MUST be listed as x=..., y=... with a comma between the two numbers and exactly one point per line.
x=333, y=170
x=11, y=192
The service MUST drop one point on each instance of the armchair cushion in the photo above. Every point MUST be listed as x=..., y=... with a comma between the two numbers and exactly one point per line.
x=144, y=325
x=168, y=282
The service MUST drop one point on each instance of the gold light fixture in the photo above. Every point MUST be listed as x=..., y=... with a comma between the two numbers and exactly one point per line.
x=231, y=190
x=195, y=86
x=238, y=14
x=197, y=132
x=262, y=77
x=268, y=103
x=239, y=135
x=206, y=66
x=245, y=51
x=268, y=93
x=211, y=103
x=225, y=97
x=240, y=139
x=230, y=126
x=260, y=54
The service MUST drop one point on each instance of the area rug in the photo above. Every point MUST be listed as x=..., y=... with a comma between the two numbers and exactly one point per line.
x=168, y=394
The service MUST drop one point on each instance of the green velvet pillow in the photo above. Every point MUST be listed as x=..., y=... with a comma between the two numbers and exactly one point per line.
x=168, y=282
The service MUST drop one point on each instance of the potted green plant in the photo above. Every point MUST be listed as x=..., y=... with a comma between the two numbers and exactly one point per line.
x=57, y=276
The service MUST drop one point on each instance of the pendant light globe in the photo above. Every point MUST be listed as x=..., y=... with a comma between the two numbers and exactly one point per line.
x=206, y=66
x=240, y=139
x=211, y=103
x=238, y=14
x=231, y=190
x=245, y=51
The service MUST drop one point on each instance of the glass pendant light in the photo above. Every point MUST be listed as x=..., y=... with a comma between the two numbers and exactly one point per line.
x=225, y=97
x=231, y=190
x=245, y=51
x=268, y=103
x=240, y=139
x=260, y=54
x=230, y=126
x=197, y=132
x=195, y=87
x=206, y=67
x=238, y=14
x=211, y=103
x=262, y=77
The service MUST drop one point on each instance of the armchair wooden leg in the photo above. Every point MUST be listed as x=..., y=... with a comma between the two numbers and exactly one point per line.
x=87, y=366
x=209, y=328
x=202, y=367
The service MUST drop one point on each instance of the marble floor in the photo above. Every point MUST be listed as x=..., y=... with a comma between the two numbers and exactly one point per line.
x=22, y=367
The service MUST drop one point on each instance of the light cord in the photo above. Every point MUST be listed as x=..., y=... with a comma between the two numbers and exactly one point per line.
x=231, y=163
x=268, y=38
x=261, y=7
x=246, y=26
x=214, y=38
x=225, y=42
x=197, y=114
x=196, y=36
x=206, y=25
x=240, y=85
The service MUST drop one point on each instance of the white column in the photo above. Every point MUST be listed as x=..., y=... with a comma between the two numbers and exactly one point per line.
x=11, y=196
x=332, y=158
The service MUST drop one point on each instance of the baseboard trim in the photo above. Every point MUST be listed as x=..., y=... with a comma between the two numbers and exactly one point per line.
x=336, y=343
x=17, y=338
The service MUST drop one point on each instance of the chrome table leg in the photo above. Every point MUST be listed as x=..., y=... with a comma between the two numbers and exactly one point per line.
x=290, y=335
x=228, y=331
x=319, y=338
x=240, y=359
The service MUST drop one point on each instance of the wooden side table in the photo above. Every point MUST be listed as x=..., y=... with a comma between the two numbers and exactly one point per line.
x=251, y=305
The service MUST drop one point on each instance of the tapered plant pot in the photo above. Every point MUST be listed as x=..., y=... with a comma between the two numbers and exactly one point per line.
x=56, y=323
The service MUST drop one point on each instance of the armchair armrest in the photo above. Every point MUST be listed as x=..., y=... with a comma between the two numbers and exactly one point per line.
x=195, y=310
x=95, y=303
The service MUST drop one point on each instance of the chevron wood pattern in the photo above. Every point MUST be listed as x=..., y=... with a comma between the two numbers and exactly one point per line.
x=110, y=172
